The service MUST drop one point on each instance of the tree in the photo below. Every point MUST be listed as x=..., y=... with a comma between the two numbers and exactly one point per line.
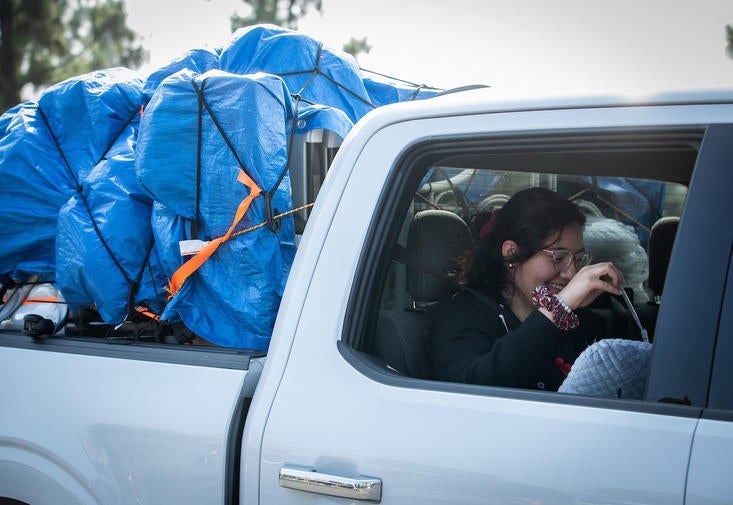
x=357, y=46
x=46, y=41
x=283, y=13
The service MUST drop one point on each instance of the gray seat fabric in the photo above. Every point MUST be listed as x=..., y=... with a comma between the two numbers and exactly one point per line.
x=436, y=240
x=611, y=368
x=661, y=239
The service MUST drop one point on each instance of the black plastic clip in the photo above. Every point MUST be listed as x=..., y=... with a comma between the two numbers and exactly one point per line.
x=272, y=223
x=37, y=326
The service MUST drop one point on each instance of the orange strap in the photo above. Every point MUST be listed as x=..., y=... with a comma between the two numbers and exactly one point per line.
x=145, y=312
x=193, y=264
x=36, y=299
x=40, y=299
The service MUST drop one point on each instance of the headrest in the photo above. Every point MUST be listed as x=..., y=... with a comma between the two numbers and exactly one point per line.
x=661, y=239
x=435, y=242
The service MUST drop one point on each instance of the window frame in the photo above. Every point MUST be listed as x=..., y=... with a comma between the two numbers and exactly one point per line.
x=363, y=307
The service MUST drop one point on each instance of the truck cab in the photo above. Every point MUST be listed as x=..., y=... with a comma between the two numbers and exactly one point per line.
x=432, y=440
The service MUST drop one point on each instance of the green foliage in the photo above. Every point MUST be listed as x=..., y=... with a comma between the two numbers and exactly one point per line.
x=46, y=41
x=357, y=46
x=283, y=13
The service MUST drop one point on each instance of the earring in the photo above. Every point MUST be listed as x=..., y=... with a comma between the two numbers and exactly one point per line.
x=510, y=265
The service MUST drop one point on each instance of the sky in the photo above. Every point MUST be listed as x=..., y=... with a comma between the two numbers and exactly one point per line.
x=574, y=46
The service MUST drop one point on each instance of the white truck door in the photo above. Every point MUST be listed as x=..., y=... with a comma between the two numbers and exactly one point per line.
x=341, y=427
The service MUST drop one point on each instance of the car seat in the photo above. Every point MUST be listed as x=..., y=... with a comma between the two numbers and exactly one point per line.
x=436, y=240
x=661, y=239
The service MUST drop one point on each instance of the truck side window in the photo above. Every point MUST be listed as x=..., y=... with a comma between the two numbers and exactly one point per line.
x=441, y=228
x=630, y=221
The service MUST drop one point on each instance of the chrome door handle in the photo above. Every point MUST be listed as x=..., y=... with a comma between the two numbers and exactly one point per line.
x=306, y=479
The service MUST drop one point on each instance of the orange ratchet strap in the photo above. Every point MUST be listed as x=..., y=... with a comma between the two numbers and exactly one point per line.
x=189, y=267
x=40, y=299
x=145, y=312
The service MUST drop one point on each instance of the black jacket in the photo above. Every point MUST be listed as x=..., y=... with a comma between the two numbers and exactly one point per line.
x=471, y=344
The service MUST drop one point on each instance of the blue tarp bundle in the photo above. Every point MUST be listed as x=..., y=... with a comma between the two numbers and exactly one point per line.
x=309, y=69
x=105, y=261
x=47, y=150
x=96, y=186
x=233, y=298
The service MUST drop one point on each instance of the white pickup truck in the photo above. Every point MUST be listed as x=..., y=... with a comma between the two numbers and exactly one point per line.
x=344, y=406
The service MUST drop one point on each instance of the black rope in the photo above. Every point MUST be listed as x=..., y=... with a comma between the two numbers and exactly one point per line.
x=160, y=301
x=135, y=285
x=275, y=224
x=196, y=224
x=413, y=84
x=316, y=71
x=417, y=92
x=367, y=102
x=80, y=189
x=215, y=120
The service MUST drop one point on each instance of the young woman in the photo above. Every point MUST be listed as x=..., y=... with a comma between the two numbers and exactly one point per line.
x=520, y=322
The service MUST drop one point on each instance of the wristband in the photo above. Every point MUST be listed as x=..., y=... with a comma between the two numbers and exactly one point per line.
x=562, y=316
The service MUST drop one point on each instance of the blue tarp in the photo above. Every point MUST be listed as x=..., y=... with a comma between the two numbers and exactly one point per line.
x=7, y=117
x=309, y=69
x=48, y=148
x=232, y=299
x=101, y=266
x=198, y=61
x=171, y=175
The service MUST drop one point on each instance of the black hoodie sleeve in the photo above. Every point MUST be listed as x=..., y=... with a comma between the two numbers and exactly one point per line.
x=472, y=345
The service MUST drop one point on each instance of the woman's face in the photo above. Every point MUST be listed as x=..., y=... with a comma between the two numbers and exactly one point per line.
x=540, y=268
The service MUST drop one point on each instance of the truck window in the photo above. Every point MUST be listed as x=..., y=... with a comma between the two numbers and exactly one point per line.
x=632, y=195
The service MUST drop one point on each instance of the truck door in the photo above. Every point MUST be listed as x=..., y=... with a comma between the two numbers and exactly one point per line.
x=344, y=425
x=709, y=479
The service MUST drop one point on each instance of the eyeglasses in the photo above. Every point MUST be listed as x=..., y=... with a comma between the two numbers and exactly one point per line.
x=562, y=258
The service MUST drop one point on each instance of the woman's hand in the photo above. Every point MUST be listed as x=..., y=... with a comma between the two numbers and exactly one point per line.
x=590, y=282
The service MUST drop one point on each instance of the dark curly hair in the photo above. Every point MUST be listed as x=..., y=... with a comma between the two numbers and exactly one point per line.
x=529, y=218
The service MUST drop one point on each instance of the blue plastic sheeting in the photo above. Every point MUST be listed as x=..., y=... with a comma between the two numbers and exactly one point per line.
x=198, y=61
x=315, y=117
x=316, y=73
x=88, y=273
x=232, y=299
x=33, y=194
x=7, y=117
x=84, y=115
